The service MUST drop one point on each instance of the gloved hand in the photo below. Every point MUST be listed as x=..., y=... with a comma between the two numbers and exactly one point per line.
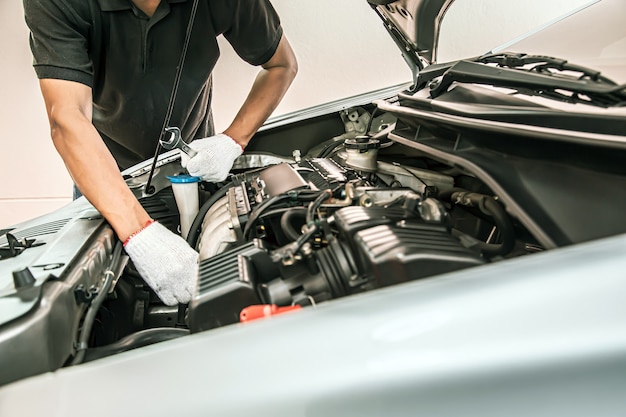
x=165, y=261
x=215, y=158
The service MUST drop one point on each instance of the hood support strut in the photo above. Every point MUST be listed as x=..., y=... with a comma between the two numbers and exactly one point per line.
x=414, y=26
x=412, y=59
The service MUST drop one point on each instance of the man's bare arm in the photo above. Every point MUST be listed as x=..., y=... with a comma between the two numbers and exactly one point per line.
x=268, y=89
x=89, y=162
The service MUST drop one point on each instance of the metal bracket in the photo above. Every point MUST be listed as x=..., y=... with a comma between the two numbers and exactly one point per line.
x=85, y=296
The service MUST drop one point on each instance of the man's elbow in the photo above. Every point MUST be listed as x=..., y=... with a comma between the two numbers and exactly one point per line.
x=291, y=60
x=65, y=125
x=292, y=68
x=284, y=60
x=56, y=127
x=59, y=125
x=68, y=105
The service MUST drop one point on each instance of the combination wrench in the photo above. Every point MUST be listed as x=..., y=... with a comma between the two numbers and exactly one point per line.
x=173, y=140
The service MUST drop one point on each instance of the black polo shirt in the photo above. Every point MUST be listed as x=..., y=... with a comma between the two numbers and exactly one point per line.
x=129, y=60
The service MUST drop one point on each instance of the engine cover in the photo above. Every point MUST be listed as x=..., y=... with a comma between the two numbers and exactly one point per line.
x=227, y=284
x=371, y=250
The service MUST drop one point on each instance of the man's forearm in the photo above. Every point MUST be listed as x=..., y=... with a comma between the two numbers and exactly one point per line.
x=268, y=89
x=96, y=174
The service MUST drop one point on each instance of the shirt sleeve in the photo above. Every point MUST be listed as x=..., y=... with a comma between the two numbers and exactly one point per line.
x=255, y=30
x=59, y=41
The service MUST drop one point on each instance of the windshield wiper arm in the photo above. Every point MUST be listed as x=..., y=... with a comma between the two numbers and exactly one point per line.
x=543, y=64
x=545, y=78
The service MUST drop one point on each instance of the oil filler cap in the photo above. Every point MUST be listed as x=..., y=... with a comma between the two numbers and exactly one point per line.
x=361, y=153
x=362, y=143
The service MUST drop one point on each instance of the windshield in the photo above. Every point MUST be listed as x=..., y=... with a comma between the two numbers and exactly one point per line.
x=594, y=37
x=585, y=32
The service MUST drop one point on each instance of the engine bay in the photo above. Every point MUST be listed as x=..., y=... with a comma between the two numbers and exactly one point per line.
x=345, y=219
x=356, y=213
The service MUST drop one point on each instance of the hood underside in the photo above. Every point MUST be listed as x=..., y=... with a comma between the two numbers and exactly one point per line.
x=414, y=25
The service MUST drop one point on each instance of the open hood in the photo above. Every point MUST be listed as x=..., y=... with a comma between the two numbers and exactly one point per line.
x=414, y=26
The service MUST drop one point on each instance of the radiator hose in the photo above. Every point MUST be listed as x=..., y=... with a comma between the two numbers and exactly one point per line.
x=490, y=207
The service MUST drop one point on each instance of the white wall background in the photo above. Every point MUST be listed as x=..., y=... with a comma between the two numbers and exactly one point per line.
x=342, y=50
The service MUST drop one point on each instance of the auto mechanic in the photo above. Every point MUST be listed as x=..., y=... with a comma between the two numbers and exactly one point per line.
x=106, y=71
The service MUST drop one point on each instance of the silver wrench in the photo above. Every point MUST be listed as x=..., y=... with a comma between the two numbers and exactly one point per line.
x=173, y=139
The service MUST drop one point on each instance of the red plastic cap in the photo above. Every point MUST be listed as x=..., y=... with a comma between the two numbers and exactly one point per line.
x=264, y=310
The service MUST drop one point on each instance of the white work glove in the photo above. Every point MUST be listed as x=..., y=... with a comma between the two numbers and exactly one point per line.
x=165, y=261
x=215, y=158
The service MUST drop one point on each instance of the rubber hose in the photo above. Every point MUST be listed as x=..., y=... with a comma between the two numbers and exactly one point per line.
x=287, y=217
x=330, y=148
x=489, y=206
x=90, y=317
x=311, y=225
x=310, y=213
x=258, y=210
x=504, y=226
x=135, y=340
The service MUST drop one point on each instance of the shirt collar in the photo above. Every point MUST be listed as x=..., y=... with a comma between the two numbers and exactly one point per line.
x=115, y=5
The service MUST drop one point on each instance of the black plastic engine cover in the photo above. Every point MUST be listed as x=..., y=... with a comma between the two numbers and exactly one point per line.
x=376, y=247
x=351, y=219
x=227, y=284
x=410, y=250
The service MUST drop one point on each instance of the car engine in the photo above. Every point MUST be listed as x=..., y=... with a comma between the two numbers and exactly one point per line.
x=323, y=228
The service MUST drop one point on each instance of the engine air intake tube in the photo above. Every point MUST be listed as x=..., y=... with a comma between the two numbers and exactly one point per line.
x=194, y=229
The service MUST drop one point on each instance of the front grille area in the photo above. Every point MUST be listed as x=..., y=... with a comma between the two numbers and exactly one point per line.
x=35, y=231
